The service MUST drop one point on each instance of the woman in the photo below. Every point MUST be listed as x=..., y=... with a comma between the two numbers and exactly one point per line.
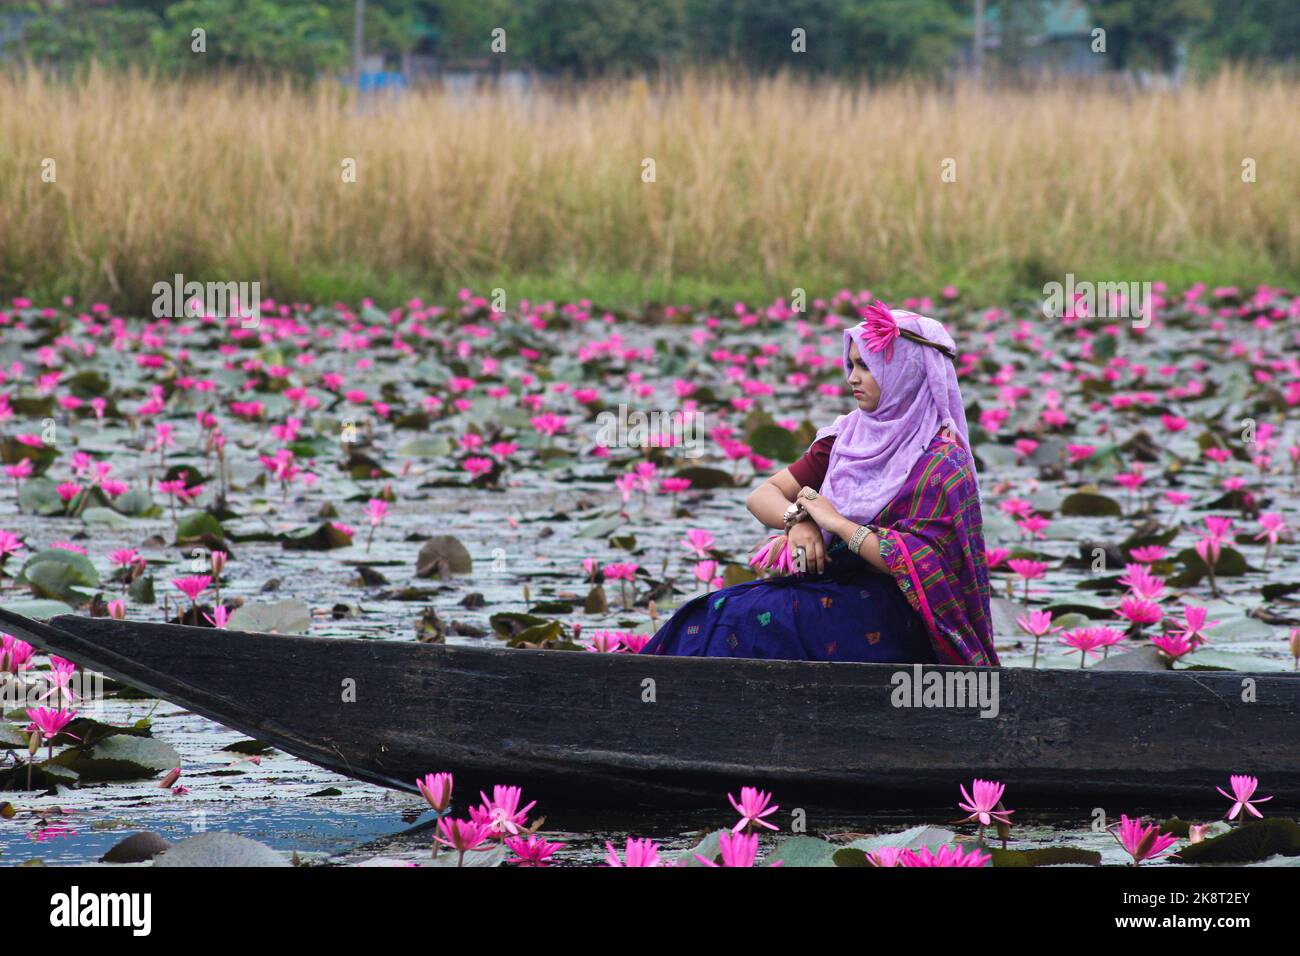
x=882, y=514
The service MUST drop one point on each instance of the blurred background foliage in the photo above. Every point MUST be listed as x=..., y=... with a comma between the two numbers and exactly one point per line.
x=880, y=39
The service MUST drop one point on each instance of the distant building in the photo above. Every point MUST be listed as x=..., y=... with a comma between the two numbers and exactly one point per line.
x=1052, y=37
x=11, y=31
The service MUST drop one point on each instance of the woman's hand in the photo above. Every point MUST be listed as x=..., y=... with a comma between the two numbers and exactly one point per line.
x=808, y=536
x=821, y=510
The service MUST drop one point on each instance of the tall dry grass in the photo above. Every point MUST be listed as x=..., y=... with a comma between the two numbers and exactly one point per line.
x=774, y=183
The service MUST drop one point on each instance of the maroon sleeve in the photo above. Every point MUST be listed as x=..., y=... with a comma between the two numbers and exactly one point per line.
x=811, y=468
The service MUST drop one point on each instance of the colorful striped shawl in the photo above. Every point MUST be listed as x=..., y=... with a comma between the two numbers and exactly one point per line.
x=932, y=540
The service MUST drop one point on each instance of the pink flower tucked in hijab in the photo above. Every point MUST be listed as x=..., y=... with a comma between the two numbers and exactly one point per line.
x=874, y=452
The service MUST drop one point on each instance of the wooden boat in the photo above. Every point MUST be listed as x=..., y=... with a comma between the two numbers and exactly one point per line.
x=617, y=730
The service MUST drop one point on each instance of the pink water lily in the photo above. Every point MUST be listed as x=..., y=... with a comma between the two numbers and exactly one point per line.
x=436, y=788
x=193, y=586
x=945, y=856
x=881, y=328
x=1142, y=843
x=1174, y=644
x=783, y=561
x=534, y=852
x=636, y=853
x=61, y=674
x=219, y=617
x=1272, y=526
x=886, y=856
x=15, y=655
x=1085, y=640
x=737, y=850
x=605, y=642
x=1027, y=570
x=50, y=722
x=753, y=806
x=1142, y=583
x=501, y=814
x=1037, y=624
x=461, y=836
x=1147, y=554
x=699, y=541
x=1243, y=789
x=633, y=642
x=1194, y=618
x=376, y=511
x=982, y=806
x=1140, y=610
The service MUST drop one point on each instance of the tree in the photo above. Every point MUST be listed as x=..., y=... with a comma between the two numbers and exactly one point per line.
x=1249, y=31
x=73, y=34
x=1148, y=33
x=891, y=37
x=590, y=37
x=464, y=27
x=256, y=36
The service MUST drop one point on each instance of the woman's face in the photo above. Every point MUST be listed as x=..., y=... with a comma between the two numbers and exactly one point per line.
x=865, y=390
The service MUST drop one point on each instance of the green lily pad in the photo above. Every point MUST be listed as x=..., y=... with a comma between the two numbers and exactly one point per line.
x=704, y=478
x=120, y=757
x=511, y=623
x=40, y=496
x=601, y=527
x=494, y=856
x=1091, y=505
x=425, y=448
x=710, y=848
x=105, y=517
x=141, y=590
x=278, y=617
x=323, y=537
x=195, y=526
x=913, y=838
x=84, y=572
x=1247, y=843
x=40, y=610
x=1046, y=856
x=1232, y=660
x=773, y=441
x=137, y=503
x=804, y=851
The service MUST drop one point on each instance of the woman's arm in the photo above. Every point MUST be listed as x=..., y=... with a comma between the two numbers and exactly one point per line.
x=829, y=519
x=769, y=500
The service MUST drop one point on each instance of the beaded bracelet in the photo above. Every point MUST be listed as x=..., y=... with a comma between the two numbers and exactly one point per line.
x=855, y=543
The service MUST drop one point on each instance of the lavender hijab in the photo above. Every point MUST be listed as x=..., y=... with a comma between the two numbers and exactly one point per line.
x=874, y=452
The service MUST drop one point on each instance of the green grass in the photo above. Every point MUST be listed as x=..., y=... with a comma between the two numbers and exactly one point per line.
x=631, y=291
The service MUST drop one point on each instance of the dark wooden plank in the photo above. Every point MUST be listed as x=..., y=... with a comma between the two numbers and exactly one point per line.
x=575, y=730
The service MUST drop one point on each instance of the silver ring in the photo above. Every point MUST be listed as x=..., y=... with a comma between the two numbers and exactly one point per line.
x=799, y=551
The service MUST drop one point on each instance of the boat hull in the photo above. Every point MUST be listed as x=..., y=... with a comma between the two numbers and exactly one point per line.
x=583, y=730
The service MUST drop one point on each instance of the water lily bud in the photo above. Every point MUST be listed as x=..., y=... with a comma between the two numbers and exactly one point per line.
x=1295, y=645
x=34, y=743
x=172, y=776
x=1004, y=829
x=1196, y=832
x=436, y=788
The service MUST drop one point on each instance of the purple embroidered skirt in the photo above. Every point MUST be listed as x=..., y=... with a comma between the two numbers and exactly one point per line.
x=851, y=612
